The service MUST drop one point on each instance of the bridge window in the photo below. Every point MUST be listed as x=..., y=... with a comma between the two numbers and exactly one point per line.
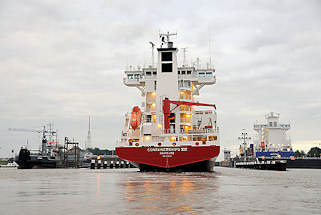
x=201, y=74
x=167, y=56
x=148, y=118
x=167, y=67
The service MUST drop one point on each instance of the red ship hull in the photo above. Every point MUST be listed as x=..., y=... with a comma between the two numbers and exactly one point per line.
x=183, y=158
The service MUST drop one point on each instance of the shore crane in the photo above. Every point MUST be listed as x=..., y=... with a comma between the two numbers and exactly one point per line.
x=45, y=142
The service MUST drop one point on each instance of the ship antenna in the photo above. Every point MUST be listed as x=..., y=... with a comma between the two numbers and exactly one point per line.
x=244, y=137
x=198, y=63
x=153, y=45
x=210, y=47
x=184, y=56
x=165, y=37
x=88, y=135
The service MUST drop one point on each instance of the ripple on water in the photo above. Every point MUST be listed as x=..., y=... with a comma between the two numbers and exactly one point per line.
x=127, y=191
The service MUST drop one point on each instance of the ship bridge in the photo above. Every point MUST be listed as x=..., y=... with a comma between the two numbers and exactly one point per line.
x=189, y=78
x=272, y=134
x=272, y=122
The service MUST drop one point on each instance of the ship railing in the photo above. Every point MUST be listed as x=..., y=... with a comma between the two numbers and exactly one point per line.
x=193, y=131
x=131, y=81
x=283, y=126
x=307, y=158
x=35, y=152
x=200, y=75
x=315, y=158
x=121, y=142
x=177, y=141
x=158, y=139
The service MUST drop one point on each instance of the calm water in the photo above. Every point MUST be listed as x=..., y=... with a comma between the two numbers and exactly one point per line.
x=126, y=191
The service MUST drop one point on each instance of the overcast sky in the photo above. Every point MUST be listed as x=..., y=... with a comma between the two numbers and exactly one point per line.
x=61, y=61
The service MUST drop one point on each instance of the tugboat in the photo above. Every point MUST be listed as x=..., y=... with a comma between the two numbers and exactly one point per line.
x=48, y=157
x=249, y=159
x=170, y=131
x=271, y=149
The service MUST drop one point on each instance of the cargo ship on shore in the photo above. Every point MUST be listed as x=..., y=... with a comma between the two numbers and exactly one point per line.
x=171, y=131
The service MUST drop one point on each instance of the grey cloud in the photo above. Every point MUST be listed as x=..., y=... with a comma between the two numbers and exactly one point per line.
x=61, y=61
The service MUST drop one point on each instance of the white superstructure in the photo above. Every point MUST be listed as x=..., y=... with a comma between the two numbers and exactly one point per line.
x=188, y=124
x=272, y=134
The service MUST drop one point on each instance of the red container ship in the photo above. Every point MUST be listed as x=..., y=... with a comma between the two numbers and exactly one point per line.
x=171, y=131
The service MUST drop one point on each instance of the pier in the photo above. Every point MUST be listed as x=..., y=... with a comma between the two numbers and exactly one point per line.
x=109, y=161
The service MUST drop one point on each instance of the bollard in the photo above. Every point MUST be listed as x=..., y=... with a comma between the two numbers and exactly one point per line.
x=99, y=164
x=111, y=165
x=117, y=164
x=92, y=164
x=105, y=165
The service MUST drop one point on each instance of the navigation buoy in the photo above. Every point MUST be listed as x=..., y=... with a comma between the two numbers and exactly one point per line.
x=135, y=118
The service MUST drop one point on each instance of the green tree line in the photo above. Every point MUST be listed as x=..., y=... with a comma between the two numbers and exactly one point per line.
x=313, y=152
x=98, y=151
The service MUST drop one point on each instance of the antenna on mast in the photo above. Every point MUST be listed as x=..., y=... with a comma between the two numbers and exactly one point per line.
x=198, y=63
x=184, y=56
x=153, y=45
x=88, y=145
x=166, y=39
x=210, y=47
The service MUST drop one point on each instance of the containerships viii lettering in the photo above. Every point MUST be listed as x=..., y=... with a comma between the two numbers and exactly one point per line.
x=171, y=131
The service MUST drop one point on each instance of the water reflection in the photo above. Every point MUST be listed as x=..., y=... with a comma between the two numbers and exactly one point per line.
x=117, y=191
x=98, y=185
x=170, y=193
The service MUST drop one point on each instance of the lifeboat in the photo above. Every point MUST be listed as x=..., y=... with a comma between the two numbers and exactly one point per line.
x=136, y=117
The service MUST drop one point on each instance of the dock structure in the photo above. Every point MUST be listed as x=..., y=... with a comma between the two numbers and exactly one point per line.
x=109, y=161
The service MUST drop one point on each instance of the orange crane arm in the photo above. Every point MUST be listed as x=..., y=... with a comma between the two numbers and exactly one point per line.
x=167, y=110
